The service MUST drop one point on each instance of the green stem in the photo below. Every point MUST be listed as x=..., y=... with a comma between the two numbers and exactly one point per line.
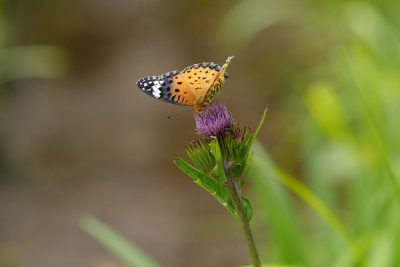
x=236, y=196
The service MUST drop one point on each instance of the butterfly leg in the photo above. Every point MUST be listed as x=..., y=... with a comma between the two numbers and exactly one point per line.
x=197, y=108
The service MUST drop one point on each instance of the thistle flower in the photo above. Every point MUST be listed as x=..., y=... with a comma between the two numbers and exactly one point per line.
x=235, y=143
x=213, y=121
x=220, y=156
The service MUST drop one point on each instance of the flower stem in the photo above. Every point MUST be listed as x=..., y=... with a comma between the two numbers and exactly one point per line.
x=234, y=190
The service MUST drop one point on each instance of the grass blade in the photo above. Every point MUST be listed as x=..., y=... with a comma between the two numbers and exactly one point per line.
x=260, y=124
x=120, y=247
x=282, y=223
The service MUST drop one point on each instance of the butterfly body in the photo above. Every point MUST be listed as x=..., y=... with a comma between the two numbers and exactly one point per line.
x=196, y=85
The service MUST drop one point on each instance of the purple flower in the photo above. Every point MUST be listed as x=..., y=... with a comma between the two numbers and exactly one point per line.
x=213, y=120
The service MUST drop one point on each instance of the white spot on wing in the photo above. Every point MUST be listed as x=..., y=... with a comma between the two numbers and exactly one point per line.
x=156, y=94
x=156, y=89
x=157, y=83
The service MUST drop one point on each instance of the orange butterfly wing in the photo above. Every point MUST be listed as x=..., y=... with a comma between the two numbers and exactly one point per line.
x=196, y=85
x=191, y=85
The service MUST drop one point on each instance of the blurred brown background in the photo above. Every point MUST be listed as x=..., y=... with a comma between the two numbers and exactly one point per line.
x=78, y=137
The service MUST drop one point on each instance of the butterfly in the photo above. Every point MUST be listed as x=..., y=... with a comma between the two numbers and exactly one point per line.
x=196, y=85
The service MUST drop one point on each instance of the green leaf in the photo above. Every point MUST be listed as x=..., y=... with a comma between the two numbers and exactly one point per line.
x=251, y=142
x=284, y=228
x=217, y=190
x=248, y=208
x=216, y=151
x=321, y=209
x=260, y=124
x=221, y=172
x=199, y=152
x=121, y=248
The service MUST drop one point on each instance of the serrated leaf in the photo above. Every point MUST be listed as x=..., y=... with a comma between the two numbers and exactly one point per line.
x=218, y=191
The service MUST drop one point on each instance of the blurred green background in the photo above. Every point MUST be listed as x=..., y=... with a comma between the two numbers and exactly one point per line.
x=77, y=137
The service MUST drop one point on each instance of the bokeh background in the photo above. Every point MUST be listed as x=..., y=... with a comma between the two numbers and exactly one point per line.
x=77, y=137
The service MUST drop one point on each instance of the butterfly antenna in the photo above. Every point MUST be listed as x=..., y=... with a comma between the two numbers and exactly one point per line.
x=179, y=113
x=226, y=64
x=229, y=59
x=223, y=68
